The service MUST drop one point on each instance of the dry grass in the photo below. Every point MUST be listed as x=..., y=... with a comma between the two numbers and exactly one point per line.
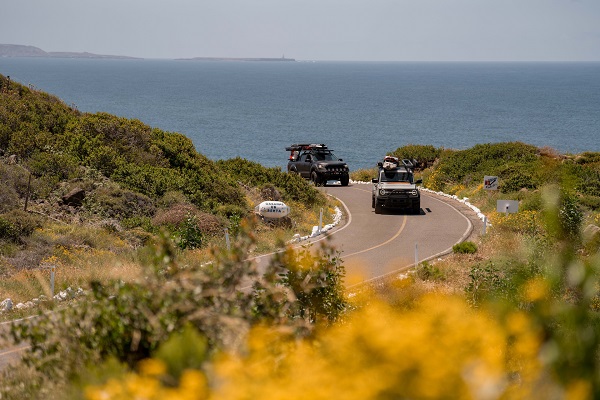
x=85, y=253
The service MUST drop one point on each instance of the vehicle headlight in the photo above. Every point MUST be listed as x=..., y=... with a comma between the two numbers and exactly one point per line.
x=382, y=192
x=320, y=166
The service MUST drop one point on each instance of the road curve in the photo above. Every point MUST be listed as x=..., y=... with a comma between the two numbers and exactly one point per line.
x=378, y=245
x=375, y=246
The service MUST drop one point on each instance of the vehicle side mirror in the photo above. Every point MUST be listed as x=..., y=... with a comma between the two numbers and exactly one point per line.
x=418, y=181
x=341, y=159
x=375, y=180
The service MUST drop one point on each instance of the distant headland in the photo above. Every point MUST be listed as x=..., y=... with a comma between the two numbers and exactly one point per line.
x=235, y=59
x=18, y=50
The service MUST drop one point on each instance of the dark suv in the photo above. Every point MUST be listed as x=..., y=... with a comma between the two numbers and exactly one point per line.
x=317, y=163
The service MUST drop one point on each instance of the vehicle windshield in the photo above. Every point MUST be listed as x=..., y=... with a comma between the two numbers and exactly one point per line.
x=396, y=176
x=325, y=156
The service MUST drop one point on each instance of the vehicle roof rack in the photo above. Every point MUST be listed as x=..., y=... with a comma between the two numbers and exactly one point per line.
x=408, y=163
x=306, y=146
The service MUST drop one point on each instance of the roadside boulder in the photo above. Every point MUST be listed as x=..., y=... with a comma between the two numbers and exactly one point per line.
x=6, y=305
x=74, y=198
x=270, y=193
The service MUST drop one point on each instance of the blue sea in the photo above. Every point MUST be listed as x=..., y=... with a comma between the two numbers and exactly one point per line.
x=363, y=110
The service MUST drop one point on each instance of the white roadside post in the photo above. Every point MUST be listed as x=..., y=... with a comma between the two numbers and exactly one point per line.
x=483, y=230
x=320, y=220
x=416, y=255
x=227, y=241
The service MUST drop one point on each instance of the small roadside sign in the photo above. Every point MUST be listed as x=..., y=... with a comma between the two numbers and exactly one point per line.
x=490, y=182
x=507, y=206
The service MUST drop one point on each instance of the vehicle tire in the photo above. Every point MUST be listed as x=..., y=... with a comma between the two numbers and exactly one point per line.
x=314, y=176
x=345, y=180
x=372, y=201
x=416, y=208
x=378, y=208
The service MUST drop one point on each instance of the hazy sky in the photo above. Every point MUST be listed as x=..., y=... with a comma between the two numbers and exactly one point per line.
x=375, y=30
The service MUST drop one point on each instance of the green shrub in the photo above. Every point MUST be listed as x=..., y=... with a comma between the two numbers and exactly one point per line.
x=105, y=159
x=9, y=199
x=427, y=271
x=364, y=175
x=471, y=165
x=487, y=281
x=424, y=154
x=465, y=248
x=179, y=214
x=16, y=177
x=111, y=201
x=570, y=216
x=291, y=186
x=16, y=225
x=59, y=165
x=188, y=234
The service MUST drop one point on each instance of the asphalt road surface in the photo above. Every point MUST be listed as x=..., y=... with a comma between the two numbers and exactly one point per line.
x=375, y=246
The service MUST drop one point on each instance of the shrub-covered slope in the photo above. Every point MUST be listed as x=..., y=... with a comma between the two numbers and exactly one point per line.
x=83, y=168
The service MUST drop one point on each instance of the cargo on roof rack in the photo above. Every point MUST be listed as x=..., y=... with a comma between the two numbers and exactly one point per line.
x=306, y=146
x=391, y=162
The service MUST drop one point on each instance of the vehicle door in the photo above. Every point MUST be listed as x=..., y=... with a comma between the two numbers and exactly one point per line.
x=304, y=163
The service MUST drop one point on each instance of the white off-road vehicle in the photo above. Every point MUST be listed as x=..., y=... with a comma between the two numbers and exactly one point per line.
x=395, y=186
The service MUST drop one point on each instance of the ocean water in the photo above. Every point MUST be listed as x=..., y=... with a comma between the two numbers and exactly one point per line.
x=363, y=110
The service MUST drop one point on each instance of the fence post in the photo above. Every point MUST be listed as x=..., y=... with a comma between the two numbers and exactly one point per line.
x=52, y=271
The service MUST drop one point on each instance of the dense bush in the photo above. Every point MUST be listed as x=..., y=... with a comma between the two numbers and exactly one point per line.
x=465, y=248
x=424, y=154
x=471, y=165
x=188, y=225
x=292, y=186
x=16, y=225
x=363, y=175
x=111, y=201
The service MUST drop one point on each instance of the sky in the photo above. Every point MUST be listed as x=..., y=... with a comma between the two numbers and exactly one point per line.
x=344, y=30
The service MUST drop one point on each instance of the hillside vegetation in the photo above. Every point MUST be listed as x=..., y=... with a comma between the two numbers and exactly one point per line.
x=96, y=184
x=512, y=314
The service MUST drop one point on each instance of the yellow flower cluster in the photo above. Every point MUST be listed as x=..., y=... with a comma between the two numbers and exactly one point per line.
x=440, y=348
x=147, y=385
x=526, y=221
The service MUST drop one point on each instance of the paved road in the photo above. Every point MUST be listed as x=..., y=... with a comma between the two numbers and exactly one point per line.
x=374, y=246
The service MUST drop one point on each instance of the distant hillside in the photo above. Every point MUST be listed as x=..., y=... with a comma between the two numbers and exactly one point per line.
x=17, y=50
